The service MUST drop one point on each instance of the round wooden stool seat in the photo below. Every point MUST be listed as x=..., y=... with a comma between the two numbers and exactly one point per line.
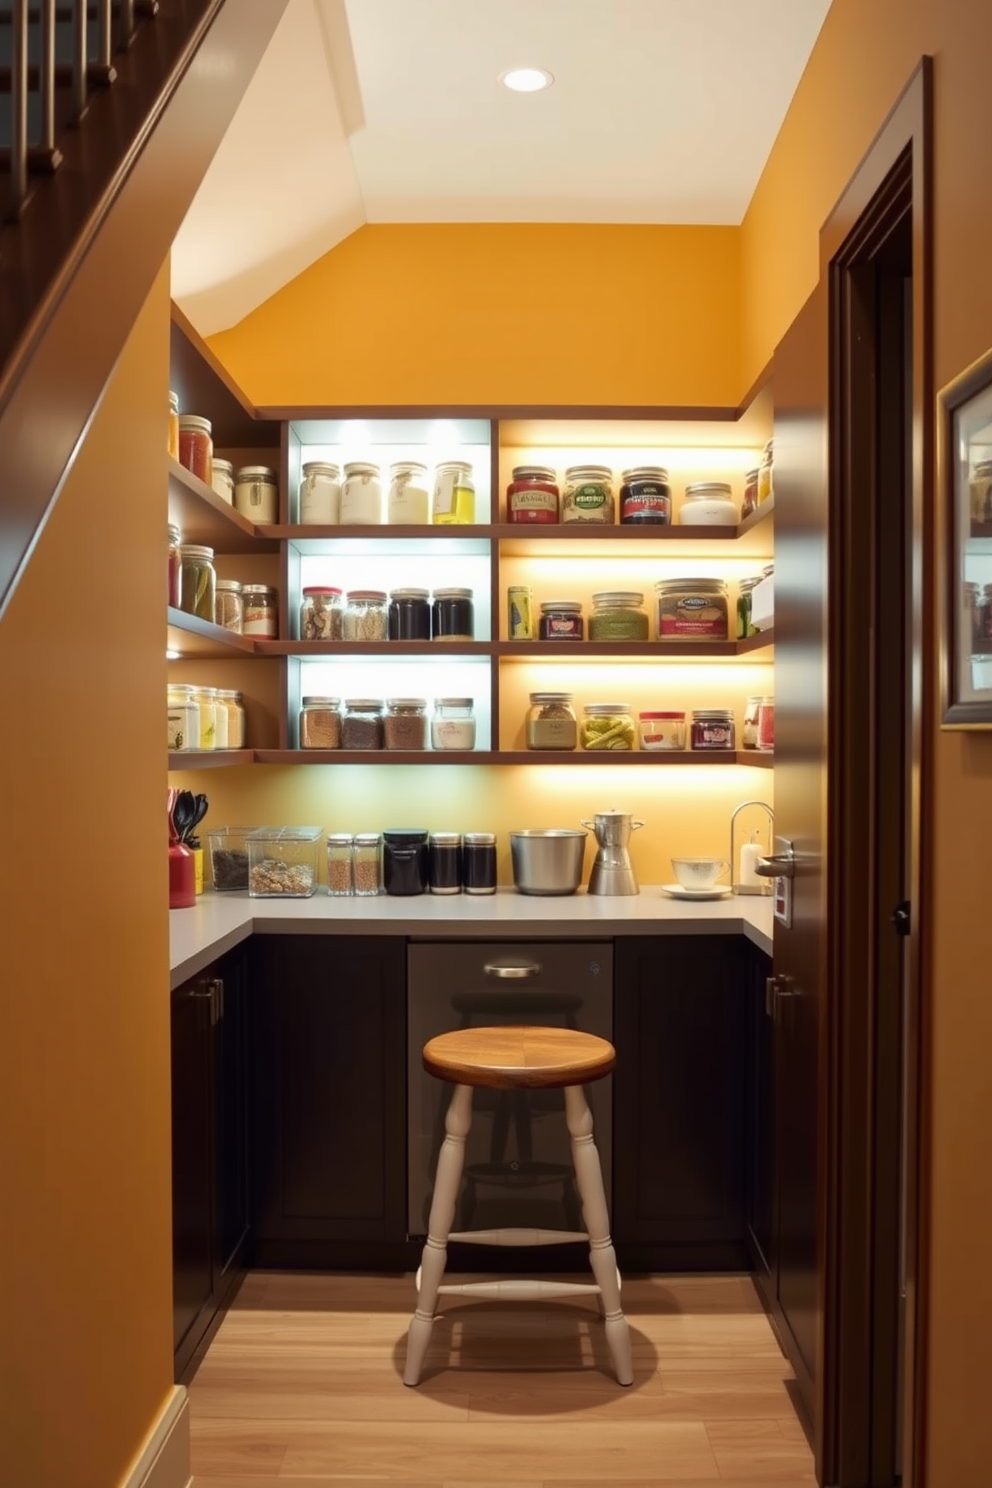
x=510, y=1058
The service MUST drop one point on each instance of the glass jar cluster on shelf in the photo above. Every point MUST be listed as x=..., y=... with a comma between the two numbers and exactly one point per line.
x=193, y=587
x=410, y=860
x=328, y=613
x=387, y=724
x=639, y=496
x=553, y=721
x=684, y=610
x=253, y=490
x=205, y=718
x=362, y=493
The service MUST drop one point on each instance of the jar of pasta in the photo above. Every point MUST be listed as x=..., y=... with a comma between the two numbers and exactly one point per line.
x=607, y=726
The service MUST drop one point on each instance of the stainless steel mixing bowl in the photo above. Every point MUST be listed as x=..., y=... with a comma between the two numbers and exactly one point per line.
x=547, y=861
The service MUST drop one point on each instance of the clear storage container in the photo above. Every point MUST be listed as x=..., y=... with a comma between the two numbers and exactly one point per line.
x=453, y=724
x=184, y=717
x=321, y=613
x=405, y=724
x=228, y=858
x=320, y=723
x=361, y=724
x=260, y=610
x=660, y=731
x=339, y=855
x=361, y=495
x=366, y=864
x=551, y=722
x=708, y=504
x=235, y=717
x=617, y=616
x=256, y=494
x=366, y=616
x=282, y=862
x=228, y=605
x=607, y=726
x=454, y=494
x=196, y=445
x=409, y=499
x=320, y=494
x=222, y=480
x=197, y=581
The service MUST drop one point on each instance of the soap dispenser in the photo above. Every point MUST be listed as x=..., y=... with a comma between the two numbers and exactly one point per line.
x=746, y=880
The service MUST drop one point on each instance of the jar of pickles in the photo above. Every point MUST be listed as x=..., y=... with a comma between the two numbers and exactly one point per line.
x=197, y=581
x=321, y=613
x=607, y=726
x=617, y=616
x=532, y=495
x=365, y=616
x=550, y=722
x=339, y=850
x=588, y=494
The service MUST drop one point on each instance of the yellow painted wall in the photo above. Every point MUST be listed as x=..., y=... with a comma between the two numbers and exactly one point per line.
x=85, y=1248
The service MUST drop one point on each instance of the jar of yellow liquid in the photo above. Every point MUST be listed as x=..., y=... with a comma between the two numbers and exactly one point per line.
x=454, y=494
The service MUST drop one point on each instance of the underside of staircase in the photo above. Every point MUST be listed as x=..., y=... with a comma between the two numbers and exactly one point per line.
x=112, y=111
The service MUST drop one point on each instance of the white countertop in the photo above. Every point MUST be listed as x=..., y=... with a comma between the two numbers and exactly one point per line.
x=219, y=921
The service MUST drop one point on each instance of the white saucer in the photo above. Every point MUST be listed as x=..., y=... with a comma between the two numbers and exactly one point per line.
x=717, y=891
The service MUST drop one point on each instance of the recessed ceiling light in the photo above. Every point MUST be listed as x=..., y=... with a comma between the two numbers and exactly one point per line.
x=526, y=79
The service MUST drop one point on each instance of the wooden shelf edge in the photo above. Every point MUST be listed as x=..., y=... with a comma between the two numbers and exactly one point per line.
x=213, y=638
x=647, y=759
x=762, y=759
x=209, y=759
x=760, y=642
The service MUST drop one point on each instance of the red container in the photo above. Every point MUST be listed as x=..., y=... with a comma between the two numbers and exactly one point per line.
x=182, y=877
x=532, y=495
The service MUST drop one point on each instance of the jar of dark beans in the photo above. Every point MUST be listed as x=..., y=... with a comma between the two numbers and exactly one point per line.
x=405, y=861
x=405, y=725
x=362, y=724
x=453, y=615
x=479, y=862
x=446, y=862
x=409, y=615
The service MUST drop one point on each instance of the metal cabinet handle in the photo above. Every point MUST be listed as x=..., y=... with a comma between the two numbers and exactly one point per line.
x=512, y=971
x=782, y=865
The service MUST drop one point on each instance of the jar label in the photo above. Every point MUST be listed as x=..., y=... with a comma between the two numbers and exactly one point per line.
x=696, y=615
x=657, y=504
x=588, y=503
x=533, y=500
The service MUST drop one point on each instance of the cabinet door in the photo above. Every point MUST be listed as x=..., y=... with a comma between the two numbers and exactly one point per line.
x=231, y=1118
x=330, y=1091
x=192, y=1158
x=760, y=1202
x=680, y=1117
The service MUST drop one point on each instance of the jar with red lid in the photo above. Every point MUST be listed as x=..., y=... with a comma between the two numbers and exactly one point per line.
x=532, y=495
x=661, y=730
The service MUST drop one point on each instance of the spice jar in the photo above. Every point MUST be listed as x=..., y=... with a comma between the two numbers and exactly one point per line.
x=173, y=436
x=365, y=615
x=260, y=604
x=256, y=494
x=445, y=854
x=222, y=480
x=454, y=494
x=712, y=728
x=366, y=867
x=197, y=581
x=660, y=731
x=692, y=609
x=405, y=725
x=339, y=851
x=532, y=495
x=320, y=723
x=196, y=445
x=607, y=726
x=749, y=730
x=453, y=615
x=175, y=539
x=361, y=724
x=479, y=862
x=750, y=502
x=551, y=722
x=228, y=607
x=561, y=620
x=321, y=613
x=320, y=494
x=409, y=615
x=708, y=504
x=361, y=495
x=184, y=717
x=409, y=499
x=453, y=726
x=618, y=616
x=206, y=702
x=646, y=496
x=235, y=717
x=519, y=613
x=588, y=494
x=766, y=480
x=405, y=861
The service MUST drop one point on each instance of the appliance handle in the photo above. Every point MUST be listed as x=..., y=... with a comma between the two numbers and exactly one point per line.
x=512, y=970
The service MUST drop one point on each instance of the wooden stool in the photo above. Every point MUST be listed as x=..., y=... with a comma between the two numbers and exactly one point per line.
x=519, y=1059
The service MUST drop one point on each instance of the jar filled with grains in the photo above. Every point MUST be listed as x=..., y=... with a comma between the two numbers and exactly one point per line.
x=320, y=723
x=321, y=613
x=362, y=724
x=365, y=616
x=618, y=616
x=366, y=869
x=235, y=717
x=228, y=608
x=405, y=724
x=339, y=854
x=551, y=721
x=260, y=610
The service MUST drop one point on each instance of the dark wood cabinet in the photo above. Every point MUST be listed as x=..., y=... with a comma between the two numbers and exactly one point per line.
x=761, y=1197
x=681, y=1103
x=210, y=1158
x=330, y=1100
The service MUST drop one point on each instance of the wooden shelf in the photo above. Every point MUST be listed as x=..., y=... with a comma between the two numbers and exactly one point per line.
x=648, y=759
x=762, y=759
x=204, y=518
x=209, y=759
x=193, y=637
x=338, y=650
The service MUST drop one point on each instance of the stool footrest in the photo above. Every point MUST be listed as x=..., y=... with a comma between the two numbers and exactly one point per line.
x=519, y=1290
x=519, y=1237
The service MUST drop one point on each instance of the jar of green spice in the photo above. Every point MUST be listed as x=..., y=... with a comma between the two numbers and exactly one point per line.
x=617, y=616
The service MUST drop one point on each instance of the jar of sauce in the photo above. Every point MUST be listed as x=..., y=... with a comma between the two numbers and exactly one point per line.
x=453, y=615
x=561, y=620
x=409, y=615
x=256, y=494
x=196, y=445
x=551, y=722
x=260, y=606
x=532, y=495
x=646, y=496
x=713, y=728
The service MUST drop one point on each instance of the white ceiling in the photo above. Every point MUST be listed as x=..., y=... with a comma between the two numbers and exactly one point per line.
x=662, y=111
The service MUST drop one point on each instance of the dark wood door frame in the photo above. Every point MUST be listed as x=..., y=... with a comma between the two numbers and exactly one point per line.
x=878, y=665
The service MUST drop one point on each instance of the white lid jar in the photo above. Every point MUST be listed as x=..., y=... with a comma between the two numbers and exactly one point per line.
x=256, y=494
x=361, y=495
x=366, y=616
x=320, y=494
x=709, y=504
x=409, y=499
x=260, y=610
x=453, y=724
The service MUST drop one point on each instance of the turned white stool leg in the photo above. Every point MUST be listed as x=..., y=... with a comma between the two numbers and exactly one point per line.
x=457, y=1123
x=602, y=1257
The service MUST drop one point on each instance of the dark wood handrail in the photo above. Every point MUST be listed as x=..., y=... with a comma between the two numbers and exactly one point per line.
x=77, y=267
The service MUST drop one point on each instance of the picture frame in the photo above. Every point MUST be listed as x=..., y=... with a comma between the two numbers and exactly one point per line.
x=964, y=485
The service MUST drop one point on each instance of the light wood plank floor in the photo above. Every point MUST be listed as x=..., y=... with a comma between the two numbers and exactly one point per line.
x=302, y=1387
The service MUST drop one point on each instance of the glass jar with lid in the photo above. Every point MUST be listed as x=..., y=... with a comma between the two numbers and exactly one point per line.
x=339, y=854
x=445, y=851
x=184, y=717
x=766, y=477
x=646, y=496
x=479, y=862
x=173, y=440
x=260, y=609
x=409, y=615
x=561, y=620
x=750, y=502
x=320, y=723
x=453, y=724
x=532, y=495
x=692, y=609
x=588, y=494
x=551, y=722
x=196, y=445
x=617, y=615
x=749, y=729
x=228, y=606
x=232, y=701
x=175, y=543
x=405, y=724
x=661, y=730
x=713, y=728
x=365, y=615
x=221, y=740
x=708, y=504
x=607, y=726
x=361, y=724
x=197, y=581
x=453, y=615
x=409, y=500
x=454, y=494
x=361, y=495
x=366, y=863
x=256, y=494
x=222, y=480
x=206, y=702
x=320, y=494
x=745, y=625
x=321, y=610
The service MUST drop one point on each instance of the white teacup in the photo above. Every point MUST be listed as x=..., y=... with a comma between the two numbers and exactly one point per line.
x=699, y=873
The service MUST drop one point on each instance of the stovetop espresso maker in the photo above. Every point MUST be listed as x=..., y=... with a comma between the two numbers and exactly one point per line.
x=611, y=871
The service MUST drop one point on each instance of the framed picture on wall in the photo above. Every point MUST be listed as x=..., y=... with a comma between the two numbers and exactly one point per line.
x=964, y=478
